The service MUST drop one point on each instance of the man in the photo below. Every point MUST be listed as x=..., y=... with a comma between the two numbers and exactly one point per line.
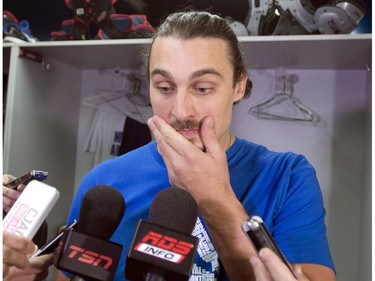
x=196, y=73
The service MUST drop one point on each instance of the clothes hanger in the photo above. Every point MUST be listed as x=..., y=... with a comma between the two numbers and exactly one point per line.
x=125, y=100
x=103, y=100
x=134, y=94
x=283, y=105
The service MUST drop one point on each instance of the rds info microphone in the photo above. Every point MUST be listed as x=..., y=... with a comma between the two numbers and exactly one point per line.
x=163, y=248
x=86, y=252
x=31, y=209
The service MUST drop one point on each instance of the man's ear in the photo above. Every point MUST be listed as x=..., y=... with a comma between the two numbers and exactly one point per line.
x=240, y=88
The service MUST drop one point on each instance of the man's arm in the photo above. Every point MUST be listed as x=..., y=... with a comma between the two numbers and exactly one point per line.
x=224, y=220
x=205, y=175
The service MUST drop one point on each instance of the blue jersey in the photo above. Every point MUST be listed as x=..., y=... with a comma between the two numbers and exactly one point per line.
x=282, y=188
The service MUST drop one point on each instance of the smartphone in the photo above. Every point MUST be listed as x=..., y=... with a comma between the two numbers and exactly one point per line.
x=260, y=237
x=51, y=245
x=26, y=178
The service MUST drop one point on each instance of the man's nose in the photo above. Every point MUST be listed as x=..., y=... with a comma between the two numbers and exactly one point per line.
x=183, y=105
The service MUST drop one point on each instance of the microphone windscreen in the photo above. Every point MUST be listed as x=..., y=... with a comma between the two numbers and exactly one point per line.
x=174, y=208
x=101, y=211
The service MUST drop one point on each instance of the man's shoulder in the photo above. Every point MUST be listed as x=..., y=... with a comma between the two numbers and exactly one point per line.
x=262, y=157
x=262, y=151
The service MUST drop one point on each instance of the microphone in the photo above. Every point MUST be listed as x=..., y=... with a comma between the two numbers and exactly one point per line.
x=31, y=209
x=86, y=252
x=163, y=248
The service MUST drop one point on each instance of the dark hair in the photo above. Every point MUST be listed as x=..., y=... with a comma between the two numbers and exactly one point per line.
x=193, y=24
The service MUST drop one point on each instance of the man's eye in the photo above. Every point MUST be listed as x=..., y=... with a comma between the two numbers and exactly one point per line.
x=203, y=91
x=165, y=90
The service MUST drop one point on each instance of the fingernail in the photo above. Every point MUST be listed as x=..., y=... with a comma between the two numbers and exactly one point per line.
x=210, y=122
x=264, y=252
x=254, y=260
x=298, y=269
x=33, y=249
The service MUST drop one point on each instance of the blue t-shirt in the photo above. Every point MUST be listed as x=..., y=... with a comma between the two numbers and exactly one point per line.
x=281, y=188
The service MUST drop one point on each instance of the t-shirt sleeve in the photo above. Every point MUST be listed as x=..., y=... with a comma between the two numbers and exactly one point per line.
x=299, y=227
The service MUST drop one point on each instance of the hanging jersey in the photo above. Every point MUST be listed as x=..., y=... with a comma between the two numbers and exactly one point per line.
x=105, y=136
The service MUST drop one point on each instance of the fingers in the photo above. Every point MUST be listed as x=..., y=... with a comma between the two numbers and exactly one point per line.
x=209, y=137
x=18, y=243
x=261, y=272
x=276, y=268
x=42, y=262
x=14, y=258
x=36, y=270
x=9, y=195
x=7, y=179
x=15, y=250
x=5, y=270
x=167, y=137
x=187, y=164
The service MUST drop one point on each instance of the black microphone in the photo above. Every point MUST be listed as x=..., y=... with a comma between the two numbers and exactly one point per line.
x=86, y=252
x=163, y=249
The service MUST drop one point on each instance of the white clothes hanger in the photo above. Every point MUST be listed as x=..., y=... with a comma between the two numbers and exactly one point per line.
x=103, y=100
x=283, y=105
x=128, y=101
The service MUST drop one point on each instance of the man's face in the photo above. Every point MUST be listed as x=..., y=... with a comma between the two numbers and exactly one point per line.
x=190, y=80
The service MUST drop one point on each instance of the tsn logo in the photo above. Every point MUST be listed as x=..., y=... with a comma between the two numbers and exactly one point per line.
x=164, y=247
x=90, y=257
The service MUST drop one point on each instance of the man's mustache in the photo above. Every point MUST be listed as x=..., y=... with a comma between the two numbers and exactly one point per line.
x=179, y=125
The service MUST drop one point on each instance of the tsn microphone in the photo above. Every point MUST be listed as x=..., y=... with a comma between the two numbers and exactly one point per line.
x=31, y=209
x=163, y=248
x=86, y=252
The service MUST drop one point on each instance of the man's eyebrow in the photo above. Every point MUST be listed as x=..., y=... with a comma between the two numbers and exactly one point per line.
x=205, y=71
x=164, y=73
x=195, y=75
